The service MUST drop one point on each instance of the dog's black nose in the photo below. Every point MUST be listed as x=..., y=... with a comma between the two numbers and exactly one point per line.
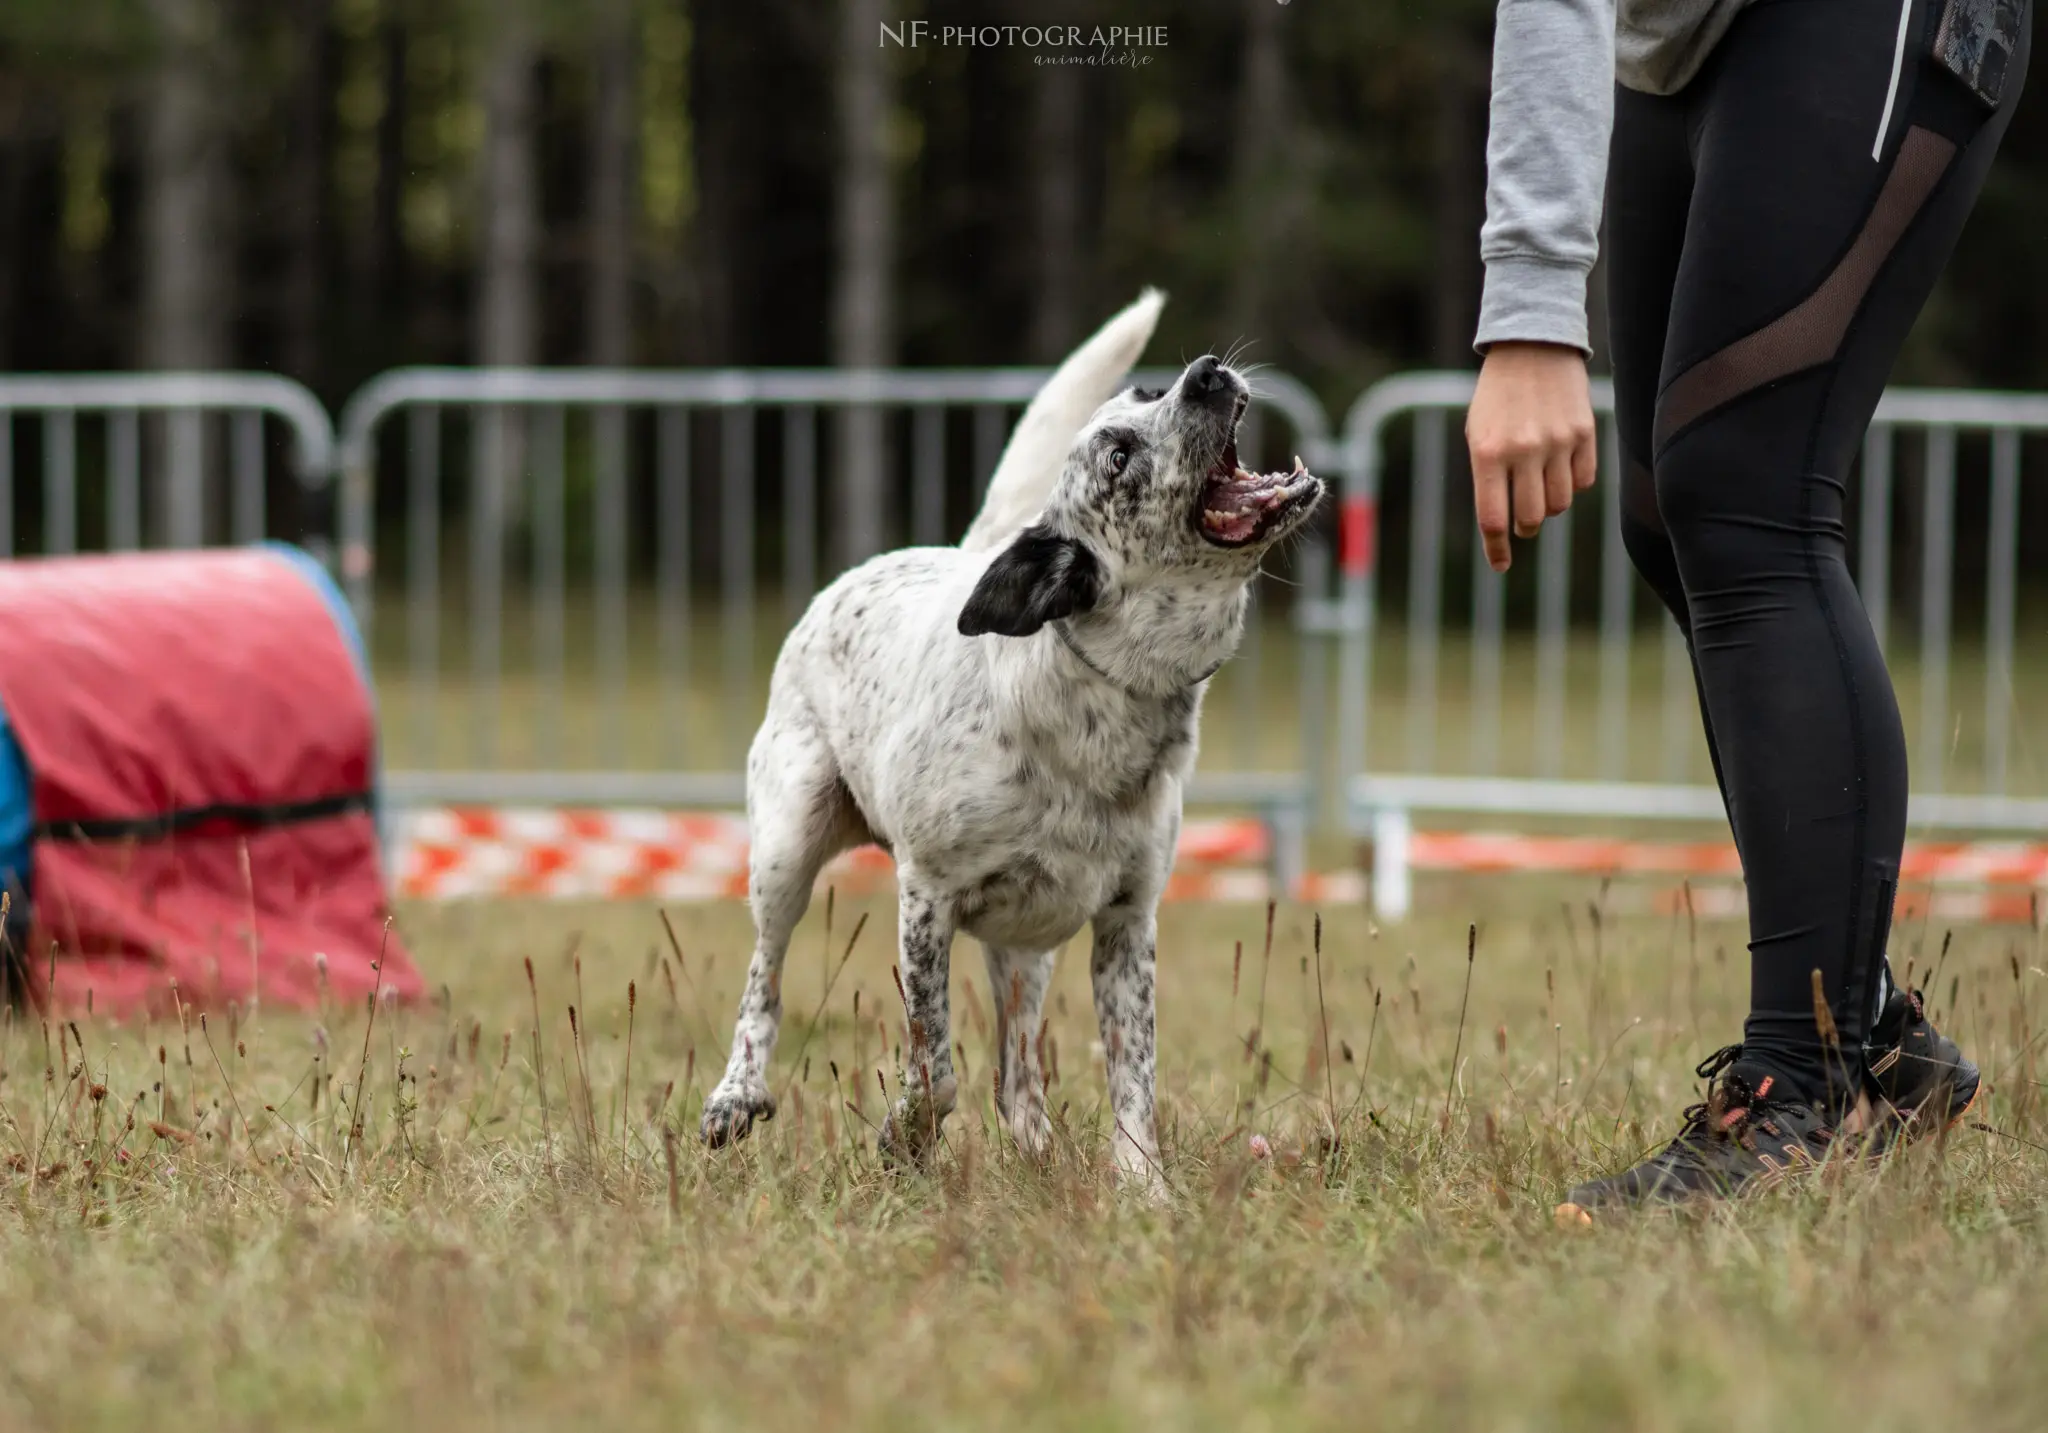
x=1210, y=384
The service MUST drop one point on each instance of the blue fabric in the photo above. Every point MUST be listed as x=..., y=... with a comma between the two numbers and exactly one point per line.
x=337, y=603
x=17, y=817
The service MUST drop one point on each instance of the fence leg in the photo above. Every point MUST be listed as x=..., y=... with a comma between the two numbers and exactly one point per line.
x=1391, y=892
x=1287, y=840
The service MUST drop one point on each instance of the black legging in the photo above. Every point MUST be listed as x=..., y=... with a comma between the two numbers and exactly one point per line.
x=1764, y=270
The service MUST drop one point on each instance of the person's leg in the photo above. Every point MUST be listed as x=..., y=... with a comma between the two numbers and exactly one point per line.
x=1649, y=198
x=1649, y=195
x=1804, y=265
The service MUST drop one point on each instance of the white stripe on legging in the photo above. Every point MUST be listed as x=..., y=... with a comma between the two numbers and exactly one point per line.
x=1891, y=93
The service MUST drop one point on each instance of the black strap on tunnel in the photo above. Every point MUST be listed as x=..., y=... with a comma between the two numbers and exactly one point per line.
x=169, y=823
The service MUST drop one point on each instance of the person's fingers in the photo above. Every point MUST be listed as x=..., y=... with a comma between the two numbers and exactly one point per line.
x=1557, y=482
x=1585, y=461
x=1528, y=496
x=1490, y=497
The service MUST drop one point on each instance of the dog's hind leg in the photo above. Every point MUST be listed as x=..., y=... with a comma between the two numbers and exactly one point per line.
x=925, y=939
x=1017, y=980
x=799, y=816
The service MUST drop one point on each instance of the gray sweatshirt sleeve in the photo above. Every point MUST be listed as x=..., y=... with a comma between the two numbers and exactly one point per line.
x=1546, y=167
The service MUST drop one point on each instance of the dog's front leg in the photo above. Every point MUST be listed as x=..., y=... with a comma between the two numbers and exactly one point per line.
x=925, y=943
x=1126, y=937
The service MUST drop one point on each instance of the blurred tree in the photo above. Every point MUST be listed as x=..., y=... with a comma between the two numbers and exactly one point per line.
x=1059, y=285
x=332, y=187
x=187, y=269
x=508, y=306
x=766, y=152
x=1458, y=122
x=310, y=127
x=667, y=179
x=15, y=224
x=864, y=287
x=1057, y=317
x=1264, y=195
x=610, y=209
x=387, y=246
x=508, y=326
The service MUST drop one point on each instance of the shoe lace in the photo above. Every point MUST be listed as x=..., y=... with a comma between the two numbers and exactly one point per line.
x=1712, y=1118
x=1720, y=1060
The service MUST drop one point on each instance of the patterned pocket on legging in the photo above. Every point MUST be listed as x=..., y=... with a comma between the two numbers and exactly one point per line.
x=1975, y=40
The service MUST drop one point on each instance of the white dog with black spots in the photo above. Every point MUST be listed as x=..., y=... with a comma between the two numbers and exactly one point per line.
x=1014, y=720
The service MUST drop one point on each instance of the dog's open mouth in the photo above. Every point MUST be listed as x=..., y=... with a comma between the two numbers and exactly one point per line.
x=1239, y=507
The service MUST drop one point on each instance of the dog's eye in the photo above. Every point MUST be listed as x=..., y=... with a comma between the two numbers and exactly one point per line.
x=1148, y=395
x=1119, y=460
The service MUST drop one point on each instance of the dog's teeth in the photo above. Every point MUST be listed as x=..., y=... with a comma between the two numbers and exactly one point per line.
x=1212, y=518
x=1299, y=466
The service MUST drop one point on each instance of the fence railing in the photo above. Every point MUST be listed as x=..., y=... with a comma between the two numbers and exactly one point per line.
x=122, y=459
x=535, y=598
x=1553, y=709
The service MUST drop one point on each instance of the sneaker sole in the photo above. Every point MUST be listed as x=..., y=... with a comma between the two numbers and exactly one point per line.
x=1573, y=1215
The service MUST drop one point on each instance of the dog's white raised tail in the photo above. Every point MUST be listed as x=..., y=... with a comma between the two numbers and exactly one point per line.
x=1037, y=449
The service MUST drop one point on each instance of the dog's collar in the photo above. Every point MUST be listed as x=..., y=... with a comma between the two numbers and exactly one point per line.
x=1059, y=628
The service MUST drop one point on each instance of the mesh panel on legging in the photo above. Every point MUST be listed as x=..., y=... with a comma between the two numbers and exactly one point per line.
x=1811, y=332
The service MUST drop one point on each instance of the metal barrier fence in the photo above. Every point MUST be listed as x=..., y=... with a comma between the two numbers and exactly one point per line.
x=541, y=474
x=558, y=527
x=152, y=485
x=1579, y=759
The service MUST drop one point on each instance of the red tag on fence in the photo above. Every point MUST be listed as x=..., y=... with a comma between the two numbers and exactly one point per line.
x=1356, y=524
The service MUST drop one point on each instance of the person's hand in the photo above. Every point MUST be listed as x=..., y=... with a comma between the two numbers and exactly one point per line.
x=1530, y=428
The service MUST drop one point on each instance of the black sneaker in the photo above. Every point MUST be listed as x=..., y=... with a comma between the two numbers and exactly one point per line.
x=1743, y=1137
x=1916, y=1071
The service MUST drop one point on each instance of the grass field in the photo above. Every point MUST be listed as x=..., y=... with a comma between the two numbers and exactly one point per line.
x=505, y=1239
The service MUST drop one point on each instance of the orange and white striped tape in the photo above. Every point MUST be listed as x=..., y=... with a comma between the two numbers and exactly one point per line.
x=1990, y=881
x=452, y=853
x=1983, y=863
x=1942, y=903
x=449, y=853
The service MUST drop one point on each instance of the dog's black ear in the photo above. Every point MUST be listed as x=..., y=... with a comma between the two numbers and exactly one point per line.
x=1035, y=580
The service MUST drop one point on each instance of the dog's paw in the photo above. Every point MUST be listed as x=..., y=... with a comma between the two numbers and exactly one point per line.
x=731, y=1110
x=912, y=1127
x=1032, y=1132
x=1147, y=1186
x=1138, y=1171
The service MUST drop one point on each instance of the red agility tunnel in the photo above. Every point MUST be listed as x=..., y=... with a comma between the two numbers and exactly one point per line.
x=187, y=769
